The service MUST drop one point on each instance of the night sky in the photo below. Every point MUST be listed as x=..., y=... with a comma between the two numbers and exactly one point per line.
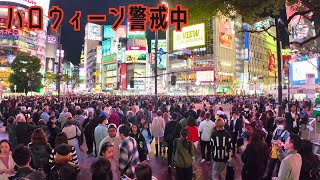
x=72, y=41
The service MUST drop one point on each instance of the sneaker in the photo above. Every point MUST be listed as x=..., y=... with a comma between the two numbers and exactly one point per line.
x=203, y=160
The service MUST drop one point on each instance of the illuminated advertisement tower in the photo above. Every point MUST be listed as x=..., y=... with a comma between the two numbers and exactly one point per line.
x=93, y=37
x=20, y=40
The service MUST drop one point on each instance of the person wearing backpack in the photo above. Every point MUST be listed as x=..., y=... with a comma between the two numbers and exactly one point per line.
x=22, y=157
x=280, y=134
x=63, y=170
x=171, y=131
x=184, y=153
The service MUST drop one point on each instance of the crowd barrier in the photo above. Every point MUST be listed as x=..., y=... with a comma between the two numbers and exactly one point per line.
x=311, y=131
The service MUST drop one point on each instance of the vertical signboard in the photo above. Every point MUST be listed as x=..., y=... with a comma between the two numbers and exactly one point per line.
x=93, y=32
x=225, y=33
x=123, y=73
x=106, y=47
x=162, y=49
x=246, y=44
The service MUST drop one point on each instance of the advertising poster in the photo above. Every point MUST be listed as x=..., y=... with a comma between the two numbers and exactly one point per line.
x=108, y=32
x=162, y=56
x=114, y=45
x=225, y=33
x=272, y=61
x=121, y=31
x=49, y=64
x=106, y=47
x=93, y=32
x=190, y=36
x=205, y=76
x=136, y=55
x=300, y=27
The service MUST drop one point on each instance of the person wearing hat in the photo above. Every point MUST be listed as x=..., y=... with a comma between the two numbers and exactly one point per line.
x=280, y=135
x=62, y=168
x=114, y=139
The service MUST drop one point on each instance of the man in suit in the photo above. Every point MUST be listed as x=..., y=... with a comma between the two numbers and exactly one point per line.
x=292, y=120
x=235, y=129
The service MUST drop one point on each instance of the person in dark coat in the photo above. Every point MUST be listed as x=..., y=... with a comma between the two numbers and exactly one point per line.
x=23, y=130
x=142, y=145
x=255, y=158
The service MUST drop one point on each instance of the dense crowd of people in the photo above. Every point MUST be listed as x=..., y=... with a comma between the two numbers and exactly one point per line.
x=46, y=136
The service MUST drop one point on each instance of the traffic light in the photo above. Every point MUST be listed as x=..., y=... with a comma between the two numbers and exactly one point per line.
x=131, y=84
x=173, y=80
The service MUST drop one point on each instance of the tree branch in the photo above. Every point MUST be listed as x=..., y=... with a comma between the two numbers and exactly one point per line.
x=307, y=40
x=264, y=29
x=301, y=13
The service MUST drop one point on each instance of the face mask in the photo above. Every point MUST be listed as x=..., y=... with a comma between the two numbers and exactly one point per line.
x=280, y=126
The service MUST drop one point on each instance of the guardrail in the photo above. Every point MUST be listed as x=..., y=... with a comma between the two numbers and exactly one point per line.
x=311, y=131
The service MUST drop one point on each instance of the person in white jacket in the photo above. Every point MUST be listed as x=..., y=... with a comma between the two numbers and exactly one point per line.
x=6, y=161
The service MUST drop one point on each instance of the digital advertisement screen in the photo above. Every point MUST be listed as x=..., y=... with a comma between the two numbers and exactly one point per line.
x=190, y=36
x=298, y=71
x=205, y=76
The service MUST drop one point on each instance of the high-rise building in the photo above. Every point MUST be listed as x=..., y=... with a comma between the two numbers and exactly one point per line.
x=93, y=37
x=20, y=40
x=261, y=59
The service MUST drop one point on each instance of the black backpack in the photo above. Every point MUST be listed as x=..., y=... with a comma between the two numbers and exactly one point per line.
x=64, y=171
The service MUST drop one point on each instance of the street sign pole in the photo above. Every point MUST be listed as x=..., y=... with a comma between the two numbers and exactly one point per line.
x=155, y=64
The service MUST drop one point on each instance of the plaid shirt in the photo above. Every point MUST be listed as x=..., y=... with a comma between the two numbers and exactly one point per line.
x=128, y=152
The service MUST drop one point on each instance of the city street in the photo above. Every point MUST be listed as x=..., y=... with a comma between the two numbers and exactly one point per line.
x=202, y=171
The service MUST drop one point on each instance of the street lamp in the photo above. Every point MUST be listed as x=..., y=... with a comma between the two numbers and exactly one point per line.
x=255, y=78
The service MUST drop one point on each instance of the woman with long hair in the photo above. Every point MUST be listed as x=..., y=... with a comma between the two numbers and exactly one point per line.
x=6, y=161
x=255, y=157
x=141, y=142
x=157, y=130
x=184, y=153
x=145, y=131
x=310, y=162
x=72, y=132
x=40, y=149
x=106, y=152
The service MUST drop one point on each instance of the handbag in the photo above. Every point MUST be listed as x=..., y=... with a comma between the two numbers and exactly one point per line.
x=240, y=142
x=123, y=171
x=230, y=172
x=80, y=138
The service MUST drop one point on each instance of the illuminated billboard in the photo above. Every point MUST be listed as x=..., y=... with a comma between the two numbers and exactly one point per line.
x=52, y=39
x=225, y=33
x=300, y=26
x=299, y=70
x=42, y=3
x=136, y=55
x=246, y=44
x=93, y=32
x=162, y=49
x=190, y=36
x=106, y=47
x=205, y=76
